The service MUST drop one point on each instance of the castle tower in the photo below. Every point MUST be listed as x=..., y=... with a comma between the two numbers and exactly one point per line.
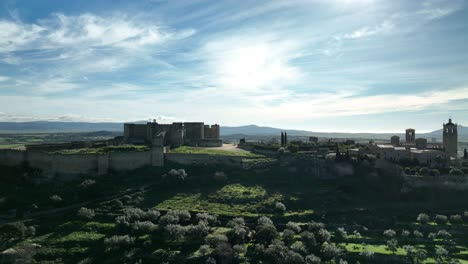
x=410, y=135
x=450, y=138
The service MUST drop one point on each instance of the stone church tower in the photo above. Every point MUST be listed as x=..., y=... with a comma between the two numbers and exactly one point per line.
x=450, y=138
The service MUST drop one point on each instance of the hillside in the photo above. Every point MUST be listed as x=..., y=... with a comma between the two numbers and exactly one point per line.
x=226, y=131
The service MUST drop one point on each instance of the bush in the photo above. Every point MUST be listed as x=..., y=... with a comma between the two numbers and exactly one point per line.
x=264, y=221
x=17, y=230
x=367, y=254
x=175, y=232
x=330, y=251
x=315, y=226
x=86, y=184
x=266, y=233
x=143, y=227
x=308, y=239
x=280, y=207
x=418, y=234
x=294, y=227
x=444, y=234
x=214, y=239
x=424, y=171
x=299, y=247
x=183, y=215
x=423, y=218
x=118, y=242
x=205, y=250
x=134, y=213
x=323, y=235
x=168, y=219
x=288, y=236
x=238, y=229
x=86, y=213
x=199, y=230
x=405, y=233
x=441, y=219
x=210, y=219
x=152, y=214
x=55, y=198
x=389, y=233
x=175, y=175
x=456, y=219
x=312, y=259
x=341, y=233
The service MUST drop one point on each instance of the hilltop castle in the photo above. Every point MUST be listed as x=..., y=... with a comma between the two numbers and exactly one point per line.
x=175, y=134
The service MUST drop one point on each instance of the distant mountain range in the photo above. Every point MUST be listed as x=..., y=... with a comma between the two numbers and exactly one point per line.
x=248, y=130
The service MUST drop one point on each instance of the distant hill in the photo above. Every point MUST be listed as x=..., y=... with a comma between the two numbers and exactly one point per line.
x=238, y=131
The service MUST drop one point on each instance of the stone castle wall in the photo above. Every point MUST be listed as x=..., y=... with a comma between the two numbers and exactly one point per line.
x=74, y=164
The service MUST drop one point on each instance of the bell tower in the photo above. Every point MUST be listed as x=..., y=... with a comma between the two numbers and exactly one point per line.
x=450, y=138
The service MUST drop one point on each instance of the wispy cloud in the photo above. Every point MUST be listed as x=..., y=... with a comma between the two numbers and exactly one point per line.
x=4, y=78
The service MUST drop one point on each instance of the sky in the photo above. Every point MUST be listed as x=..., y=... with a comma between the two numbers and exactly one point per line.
x=318, y=65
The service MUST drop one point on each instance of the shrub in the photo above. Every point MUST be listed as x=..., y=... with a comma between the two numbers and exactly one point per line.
x=175, y=175
x=308, y=239
x=456, y=219
x=444, y=234
x=299, y=247
x=330, y=251
x=86, y=213
x=424, y=171
x=118, y=242
x=134, y=213
x=239, y=250
x=280, y=207
x=367, y=254
x=288, y=236
x=238, y=229
x=55, y=198
x=341, y=233
x=435, y=173
x=214, y=239
x=86, y=184
x=312, y=259
x=210, y=219
x=266, y=233
x=143, y=227
x=199, y=230
x=423, y=218
x=389, y=233
x=441, y=219
x=175, y=232
x=152, y=214
x=417, y=234
x=168, y=219
x=323, y=235
x=405, y=233
x=315, y=226
x=205, y=250
x=465, y=214
x=294, y=227
x=183, y=215
x=264, y=221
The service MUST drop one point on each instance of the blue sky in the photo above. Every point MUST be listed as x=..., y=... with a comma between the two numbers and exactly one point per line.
x=320, y=65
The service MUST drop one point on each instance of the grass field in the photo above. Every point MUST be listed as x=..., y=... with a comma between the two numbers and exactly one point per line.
x=199, y=150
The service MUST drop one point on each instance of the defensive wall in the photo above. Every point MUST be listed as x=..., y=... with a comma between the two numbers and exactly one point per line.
x=74, y=164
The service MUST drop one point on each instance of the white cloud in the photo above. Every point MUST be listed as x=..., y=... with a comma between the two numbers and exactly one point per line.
x=55, y=85
x=85, y=30
x=383, y=28
x=4, y=78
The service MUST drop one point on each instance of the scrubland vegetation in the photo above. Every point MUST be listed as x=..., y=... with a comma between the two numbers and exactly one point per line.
x=209, y=214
